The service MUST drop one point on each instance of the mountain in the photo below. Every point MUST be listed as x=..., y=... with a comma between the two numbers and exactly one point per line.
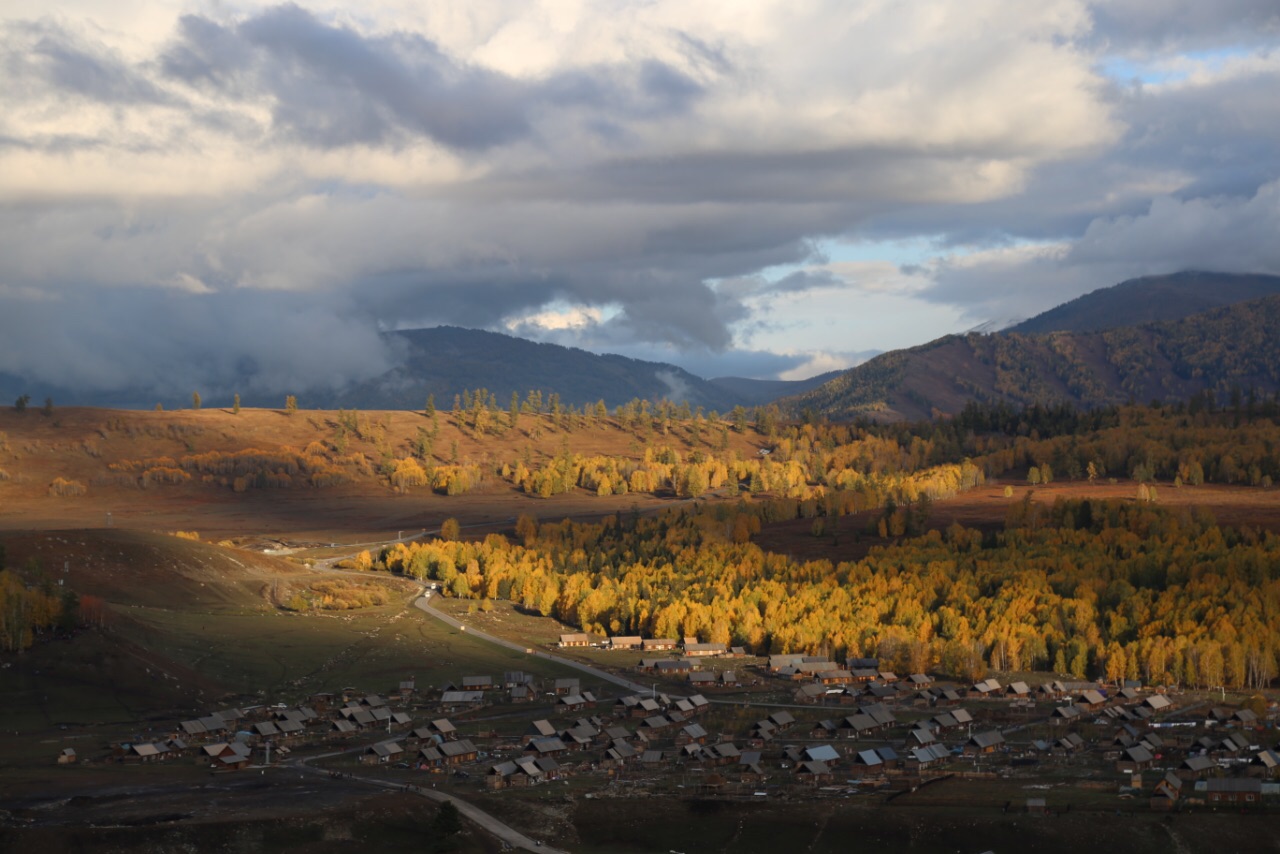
x=1150, y=299
x=749, y=392
x=447, y=360
x=1216, y=350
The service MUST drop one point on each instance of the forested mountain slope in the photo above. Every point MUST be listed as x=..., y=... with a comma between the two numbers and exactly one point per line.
x=1214, y=350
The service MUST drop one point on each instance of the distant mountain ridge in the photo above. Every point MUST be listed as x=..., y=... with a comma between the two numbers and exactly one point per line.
x=751, y=392
x=1235, y=345
x=445, y=361
x=1150, y=299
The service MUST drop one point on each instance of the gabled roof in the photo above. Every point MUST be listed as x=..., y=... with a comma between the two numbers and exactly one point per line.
x=822, y=753
x=462, y=697
x=542, y=728
x=457, y=748
x=1138, y=753
x=1267, y=759
x=879, y=712
x=859, y=723
x=869, y=757
x=725, y=750
x=385, y=749
x=548, y=745
x=1199, y=763
x=930, y=753
x=987, y=739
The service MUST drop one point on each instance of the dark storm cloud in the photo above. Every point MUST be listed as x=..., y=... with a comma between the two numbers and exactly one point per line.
x=1185, y=24
x=332, y=86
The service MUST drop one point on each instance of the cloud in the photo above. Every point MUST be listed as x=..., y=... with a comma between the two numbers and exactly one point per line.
x=1166, y=25
x=171, y=343
x=648, y=177
x=1226, y=234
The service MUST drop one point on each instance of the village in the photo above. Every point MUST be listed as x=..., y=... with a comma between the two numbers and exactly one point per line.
x=719, y=722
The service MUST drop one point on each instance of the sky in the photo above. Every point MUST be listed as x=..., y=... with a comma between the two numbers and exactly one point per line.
x=247, y=195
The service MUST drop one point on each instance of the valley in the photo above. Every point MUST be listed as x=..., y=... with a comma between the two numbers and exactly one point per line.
x=297, y=599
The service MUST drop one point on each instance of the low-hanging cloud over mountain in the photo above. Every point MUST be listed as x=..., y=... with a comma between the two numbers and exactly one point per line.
x=198, y=194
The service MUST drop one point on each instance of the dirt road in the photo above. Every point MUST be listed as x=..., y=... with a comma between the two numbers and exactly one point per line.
x=502, y=831
x=425, y=604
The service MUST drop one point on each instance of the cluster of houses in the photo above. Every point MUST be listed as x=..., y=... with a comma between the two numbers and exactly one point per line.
x=438, y=746
x=887, y=727
x=691, y=647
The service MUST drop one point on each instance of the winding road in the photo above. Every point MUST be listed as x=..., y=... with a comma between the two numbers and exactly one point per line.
x=502, y=831
x=424, y=603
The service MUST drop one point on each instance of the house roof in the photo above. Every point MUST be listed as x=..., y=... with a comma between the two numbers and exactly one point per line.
x=869, y=757
x=930, y=753
x=462, y=697
x=543, y=728
x=548, y=745
x=1267, y=759
x=1138, y=753
x=458, y=748
x=1234, y=784
x=859, y=723
x=987, y=739
x=823, y=753
x=386, y=748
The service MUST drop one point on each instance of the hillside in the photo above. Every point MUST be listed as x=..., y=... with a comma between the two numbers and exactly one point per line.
x=316, y=475
x=445, y=361
x=1150, y=299
x=1214, y=350
x=752, y=392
